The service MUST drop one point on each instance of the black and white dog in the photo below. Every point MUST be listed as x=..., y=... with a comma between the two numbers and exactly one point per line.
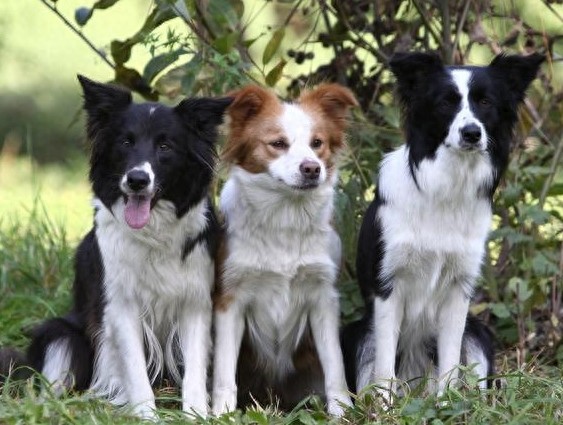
x=423, y=238
x=145, y=272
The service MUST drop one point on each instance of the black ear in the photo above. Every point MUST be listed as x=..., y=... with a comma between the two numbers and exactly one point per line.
x=203, y=114
x=101, y=100
x=412, y=69
x=517, y=71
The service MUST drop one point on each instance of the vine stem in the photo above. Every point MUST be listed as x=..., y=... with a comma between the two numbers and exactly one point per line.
x=553, y=169
x=76, y=31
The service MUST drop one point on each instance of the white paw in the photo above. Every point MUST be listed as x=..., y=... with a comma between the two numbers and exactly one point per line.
x=224, y=401
x=197, y=408
x=146, y=411
x=337, y=404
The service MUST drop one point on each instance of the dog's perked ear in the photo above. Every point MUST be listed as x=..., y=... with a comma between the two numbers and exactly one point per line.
x=248, y=102
x=333, y=99
x=412, y=69
x=203, y=115
x=517, y=71
x=101, y=100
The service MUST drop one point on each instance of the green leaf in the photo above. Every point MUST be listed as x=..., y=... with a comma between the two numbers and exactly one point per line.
x=104, y=4
x=120, y=51
x=131, y=79
x=520, y=288
x=500, y=310
x=275, y=73
x=225, y=43
x=159, y=63
x=273, y=45
x=191, y=71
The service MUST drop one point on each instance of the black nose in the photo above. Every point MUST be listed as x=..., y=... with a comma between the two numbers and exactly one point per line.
x=137, y=180
x=310, y=169
x=471, y=134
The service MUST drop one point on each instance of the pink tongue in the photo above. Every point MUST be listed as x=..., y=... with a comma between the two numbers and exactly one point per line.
x=137, y=211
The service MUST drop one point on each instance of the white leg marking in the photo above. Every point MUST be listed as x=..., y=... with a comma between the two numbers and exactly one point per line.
x=229, y=329
x=128, y=338
x=195, y=334
x=56, y=367
x=451, y=322
x=388, y=315
x=324, y=326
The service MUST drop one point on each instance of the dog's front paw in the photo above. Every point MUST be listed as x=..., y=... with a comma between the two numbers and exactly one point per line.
x=146, y=411
x=196, y=407
x=337, y=404
x=224, y=401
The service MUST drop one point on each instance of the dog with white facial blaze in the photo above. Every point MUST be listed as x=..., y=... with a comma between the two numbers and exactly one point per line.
x=423, y=238
x=277, y=308
x=145, y=272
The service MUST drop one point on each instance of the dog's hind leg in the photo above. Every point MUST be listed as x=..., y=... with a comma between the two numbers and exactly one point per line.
x=61, y=351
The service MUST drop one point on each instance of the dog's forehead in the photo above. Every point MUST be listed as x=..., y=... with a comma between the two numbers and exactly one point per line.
x=461, y=77
x=296, y=123
x=150, y=115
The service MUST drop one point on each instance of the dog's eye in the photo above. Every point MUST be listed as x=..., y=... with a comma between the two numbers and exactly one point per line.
x=485, y=102
x=127, y=143
x=316, y=144
x=279, y=144
x=164, y=147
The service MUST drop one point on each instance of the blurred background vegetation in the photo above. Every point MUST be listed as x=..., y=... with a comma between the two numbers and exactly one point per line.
x=163, y=50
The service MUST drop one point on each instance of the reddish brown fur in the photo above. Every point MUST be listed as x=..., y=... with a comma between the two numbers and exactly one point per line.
x=253, y=124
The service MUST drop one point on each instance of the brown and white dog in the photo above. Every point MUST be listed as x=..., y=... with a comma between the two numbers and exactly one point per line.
x=277, y=304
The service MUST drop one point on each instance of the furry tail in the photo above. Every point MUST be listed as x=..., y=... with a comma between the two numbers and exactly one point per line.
x=13, y=364
x=358, y=353
x=479, y=349
x=63, y=353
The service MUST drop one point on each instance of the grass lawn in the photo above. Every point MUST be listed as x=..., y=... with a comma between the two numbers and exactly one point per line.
x=44, y=212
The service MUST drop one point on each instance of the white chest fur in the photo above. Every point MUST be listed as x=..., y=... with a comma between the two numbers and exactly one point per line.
x=283, y=258
x=434, y=235
x=148, y=281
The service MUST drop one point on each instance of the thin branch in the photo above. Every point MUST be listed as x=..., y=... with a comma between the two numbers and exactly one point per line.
x=77, y=32
x=461, y=23
x=446, y=31
x=552, y=171
x=427, y=23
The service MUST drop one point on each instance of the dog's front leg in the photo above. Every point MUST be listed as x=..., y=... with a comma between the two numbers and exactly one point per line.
x=195, y=335
x=229, y=328
x=324, y=326
x=453, y=316
x=387, y=318
x=125, y=320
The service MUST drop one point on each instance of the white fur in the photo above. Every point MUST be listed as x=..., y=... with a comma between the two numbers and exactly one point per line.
x=153, y=298
x=147, y=168
x=283, y=259
x=56, y=369
x=465, y=116
x=434, y=241
x=297, y=127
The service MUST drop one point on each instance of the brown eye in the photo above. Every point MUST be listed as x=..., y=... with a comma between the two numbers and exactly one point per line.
x=164, y=147
x=485, y=102
x=279, y=144
x=316, y=144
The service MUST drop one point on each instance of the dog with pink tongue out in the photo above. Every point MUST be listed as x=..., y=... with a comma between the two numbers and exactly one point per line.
x=144, y=274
